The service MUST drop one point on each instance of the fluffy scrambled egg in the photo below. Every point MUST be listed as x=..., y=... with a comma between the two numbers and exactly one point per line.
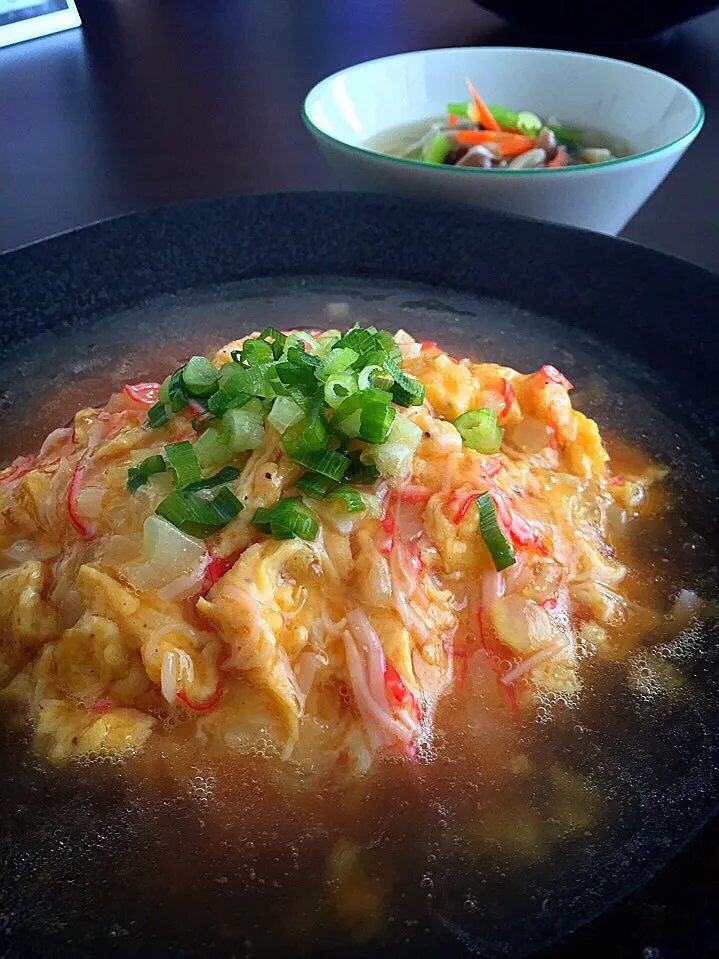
x=327, y=651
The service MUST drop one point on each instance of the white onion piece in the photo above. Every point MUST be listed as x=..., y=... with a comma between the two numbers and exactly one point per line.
x=531, y=436
x=169, y=555
x=534, y=660
x=188, y=585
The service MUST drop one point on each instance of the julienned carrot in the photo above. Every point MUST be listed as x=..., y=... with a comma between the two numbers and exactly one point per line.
x=514, y=145
x=561, y=158
x=508, y=144
x=484, y=115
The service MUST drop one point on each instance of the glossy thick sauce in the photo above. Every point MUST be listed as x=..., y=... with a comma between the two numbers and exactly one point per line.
x=515, y=826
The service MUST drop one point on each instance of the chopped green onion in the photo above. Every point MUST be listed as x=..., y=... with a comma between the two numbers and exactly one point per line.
x=479, y=430
x=329, y=463
x=528, y=123
x=376, y=420
x=199, y=377
x=157, y=415
x=359, y=473
x=315, y=485
x=342, y=418
x=277, y=339
x=308, y=436
x=287, y=519
x=338, y=388
x=138, y=475
x=496, y=542
x=226, y=475
x=256, y=352
x=336, y=361
x=163, y=393
x=249, y=379
x=300, y=341
x=437, y=149
x=182, y=460
x=176, y=392
x=351, y=498
x=407, y=390
x=460, y=109
x=197, y=516
x=505, y=117
x=369, y=375
x=227, y=399
x=327, y=340
x=210, y=451
x=243, y=429
x=389, y=345
x=284, y=413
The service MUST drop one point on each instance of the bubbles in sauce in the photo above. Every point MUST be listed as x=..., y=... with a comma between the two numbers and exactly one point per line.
x=506, y=833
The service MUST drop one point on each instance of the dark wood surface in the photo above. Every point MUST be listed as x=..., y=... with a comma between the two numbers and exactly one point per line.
x=155, y=102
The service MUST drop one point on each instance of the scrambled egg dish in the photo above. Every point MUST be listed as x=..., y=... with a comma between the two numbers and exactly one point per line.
x=303, y=543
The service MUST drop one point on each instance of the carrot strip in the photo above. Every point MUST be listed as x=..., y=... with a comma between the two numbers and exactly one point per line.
x=508, y=144
x=515, y=144
x=561, y=158
x=451, y=119
x=483, y=112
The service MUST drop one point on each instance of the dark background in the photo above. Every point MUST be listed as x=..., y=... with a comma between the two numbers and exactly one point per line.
x=157, y=101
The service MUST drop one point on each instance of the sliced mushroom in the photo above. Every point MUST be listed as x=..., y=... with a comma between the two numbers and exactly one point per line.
x=595, y=155
x=547, y=141
x=528, y=160
x=478, y=156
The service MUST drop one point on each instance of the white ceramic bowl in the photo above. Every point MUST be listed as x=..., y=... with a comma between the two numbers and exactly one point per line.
x=656, y=115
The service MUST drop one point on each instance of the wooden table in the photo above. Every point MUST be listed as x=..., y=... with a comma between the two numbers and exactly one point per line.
x=155, y=102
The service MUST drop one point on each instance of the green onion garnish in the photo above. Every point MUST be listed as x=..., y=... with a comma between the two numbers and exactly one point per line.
x=182, y=460
x=197, y=516
x=227, y=399
x=257, y=351
x=315, y=485
x=284, y=413
x=437, y=149
x=329, y=463
x=243, y=430
x=336, y=361
x=138, y=475
x=496, y=542
x=407, y=391
x=176, y=392
x=359, y=473
x=376, y=419
x=157, y=415
x=338, y=388
x=199, y=377
x=210, y=451
x=479, y=430
x=350, y=498
x=225, y=475
x=287, y=519
x=276, y=338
